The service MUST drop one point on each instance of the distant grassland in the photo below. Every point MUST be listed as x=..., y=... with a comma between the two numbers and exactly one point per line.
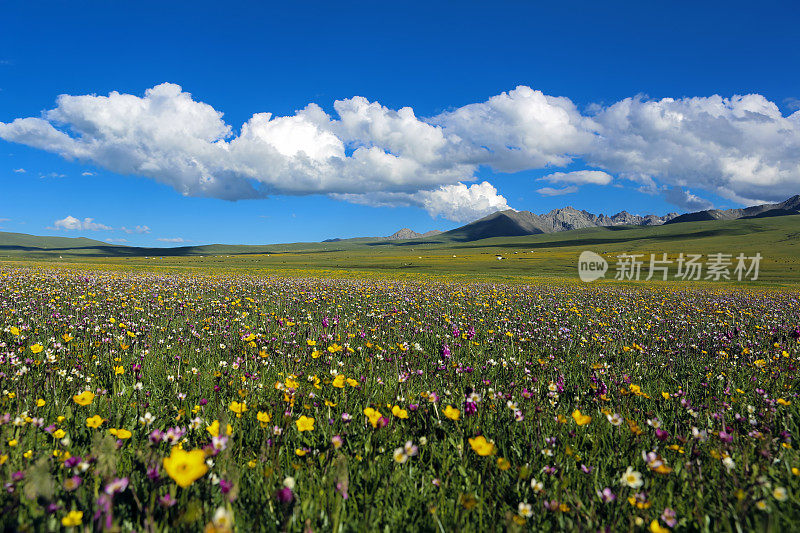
x=525, y=258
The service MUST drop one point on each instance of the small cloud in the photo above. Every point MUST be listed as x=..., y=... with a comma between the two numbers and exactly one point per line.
x=550, y=191
x=20, y=170
x=174, y=240
x=117, y=241
x=792, y=103
x=52, y=175
x=70, y=223
x=686, y=200
x=87, y=173
x=596, y=177
x=137, y=229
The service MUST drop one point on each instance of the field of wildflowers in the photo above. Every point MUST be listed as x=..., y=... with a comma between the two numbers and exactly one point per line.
x=150, y=401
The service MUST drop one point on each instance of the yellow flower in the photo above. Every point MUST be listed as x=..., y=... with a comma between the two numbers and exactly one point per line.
x=14, y=330
x=398, y=412
x=373, y=415
x=67, y=337
x=300, y=452
x=119, y=370
x=665, y=395
x=84, y=398
x=452, y=413
x=263, y=418
x=185, y=467
x=121, y=433
x=28, y=454
x=37, y=348
x=213, y=429
x=581, y=419
x=311, y=342
x=238, y=408
x=338, y=381
x=59, y=433
x=481, y=445
x=94, y=422
x=503, y=463
x=655, y=527
x=72, y=519
x=305, y=423
x=12, y=443
x=784, y=402
x=40, y=403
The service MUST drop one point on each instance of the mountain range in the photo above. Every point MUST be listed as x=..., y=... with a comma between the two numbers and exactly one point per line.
x=511, y=223
x=790, y=206
x=399, y=235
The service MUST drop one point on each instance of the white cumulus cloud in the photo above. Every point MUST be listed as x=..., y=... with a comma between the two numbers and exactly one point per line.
x=741, y=148
x=71, y=223
x=458, y=202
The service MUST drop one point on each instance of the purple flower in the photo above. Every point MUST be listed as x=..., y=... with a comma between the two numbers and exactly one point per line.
x=661, y=434
x=72, y=483
x=156, y=436
x=668, y=517
x=606, y=496
x=284, y=495
x=118, y=485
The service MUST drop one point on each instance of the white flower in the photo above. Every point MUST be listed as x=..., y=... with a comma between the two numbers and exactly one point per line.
x=400, y=455
x=729, y=464
x=537, y=486
x=632, y=478
x=614, y=419
x=525, y=510
x=289, y=483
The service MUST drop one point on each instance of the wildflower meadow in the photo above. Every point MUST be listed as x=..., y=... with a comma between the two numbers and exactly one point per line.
x=157, y=401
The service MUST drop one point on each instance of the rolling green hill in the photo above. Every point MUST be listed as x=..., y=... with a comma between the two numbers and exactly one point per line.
x=552, y=255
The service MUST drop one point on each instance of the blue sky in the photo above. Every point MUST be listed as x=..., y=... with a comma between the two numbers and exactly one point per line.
x=651, y=155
